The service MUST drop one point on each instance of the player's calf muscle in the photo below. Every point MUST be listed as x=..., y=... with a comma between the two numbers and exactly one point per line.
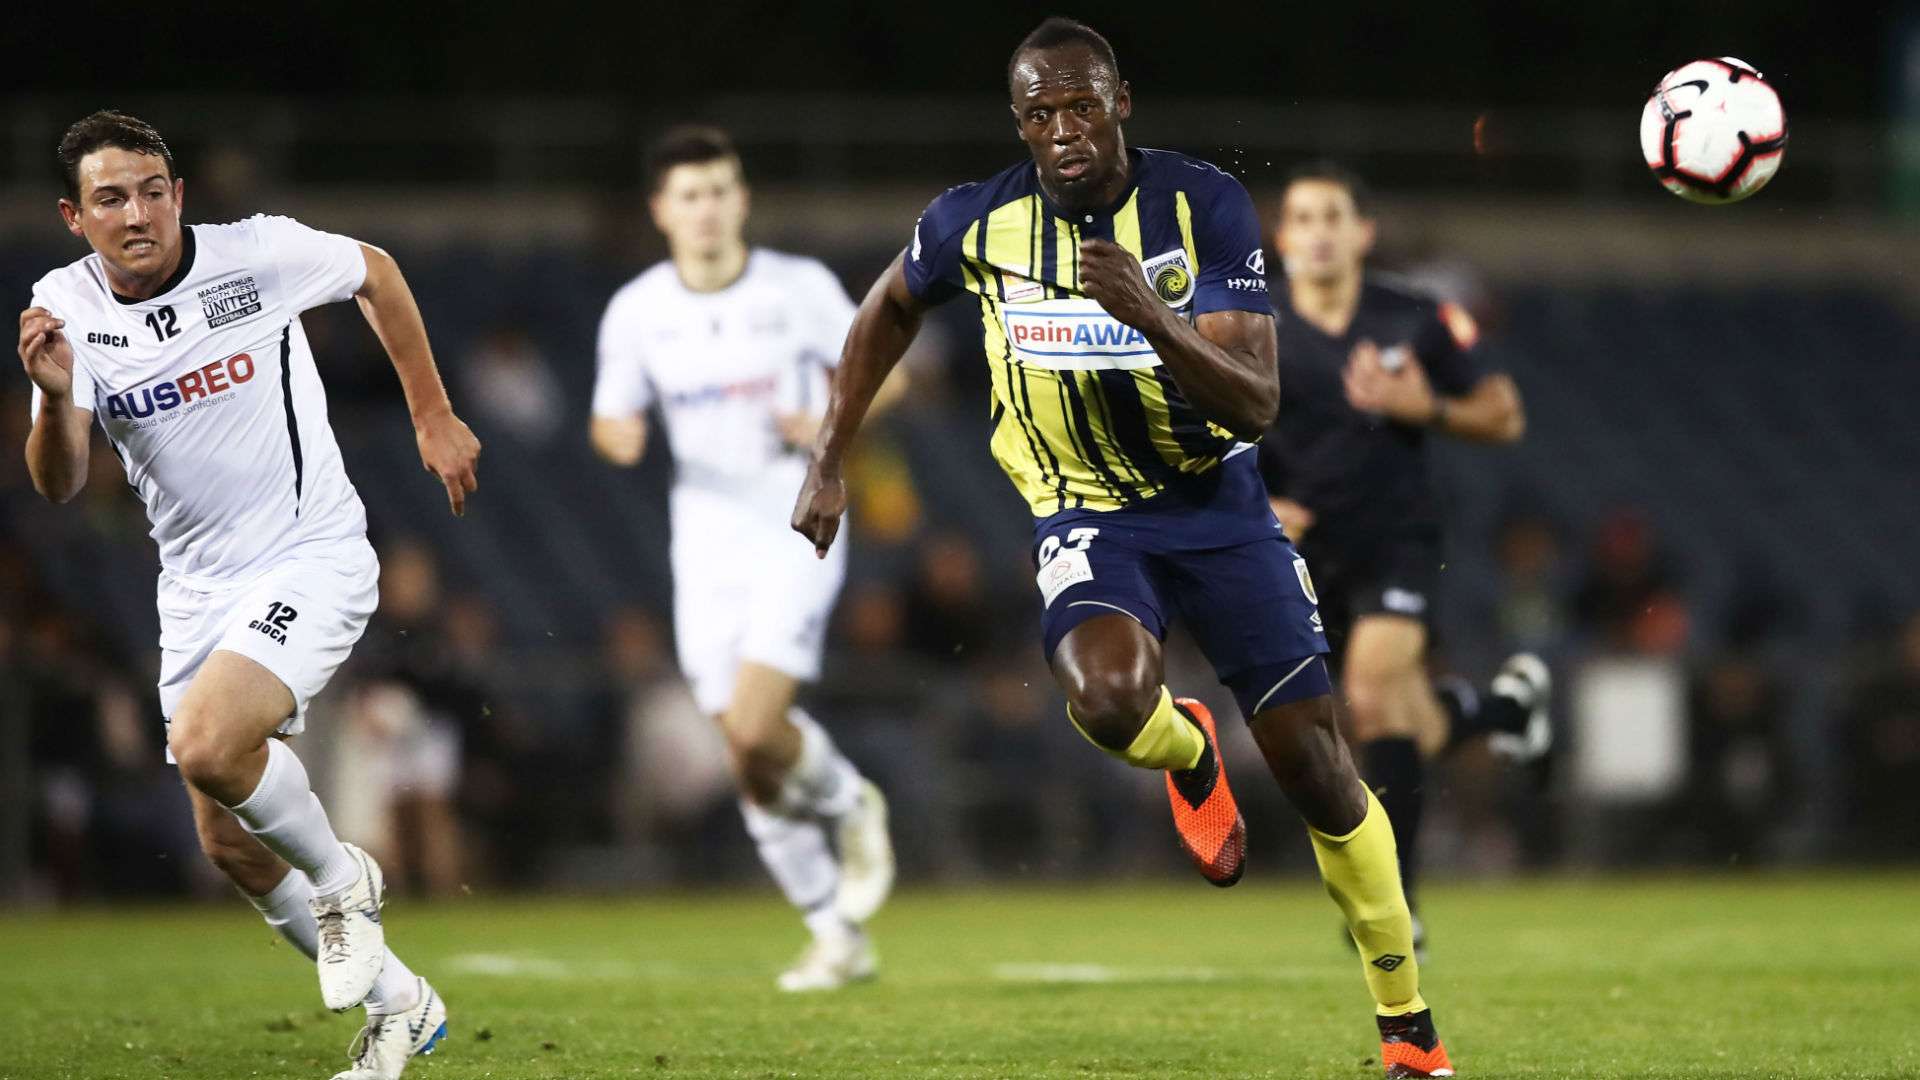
x=1304, y=752
x=233, y=851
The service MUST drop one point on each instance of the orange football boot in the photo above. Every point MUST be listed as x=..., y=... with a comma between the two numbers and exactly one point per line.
x=1410, y=1047
x=1212, y=832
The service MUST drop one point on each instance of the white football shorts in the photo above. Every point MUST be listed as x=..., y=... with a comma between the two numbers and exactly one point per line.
x=298, y=620
x=762, y=597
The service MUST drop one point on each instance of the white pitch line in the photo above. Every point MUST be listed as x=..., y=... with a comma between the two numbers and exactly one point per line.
x=547, y=968
x=1043, y=972
x=506, y=965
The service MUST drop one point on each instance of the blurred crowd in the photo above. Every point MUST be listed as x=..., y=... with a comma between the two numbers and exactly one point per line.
x=468, y=758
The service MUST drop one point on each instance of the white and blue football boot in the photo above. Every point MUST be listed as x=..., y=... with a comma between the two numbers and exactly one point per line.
x=383, y=1048
x=353, y=944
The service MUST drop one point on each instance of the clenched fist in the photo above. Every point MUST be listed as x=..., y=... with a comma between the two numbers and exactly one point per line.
x=1110, y=274
x=823, y=499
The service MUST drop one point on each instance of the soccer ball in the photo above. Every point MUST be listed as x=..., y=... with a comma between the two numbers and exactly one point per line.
x=1713, y=131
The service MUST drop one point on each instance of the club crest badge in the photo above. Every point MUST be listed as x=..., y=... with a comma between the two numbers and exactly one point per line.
x=1171, y=277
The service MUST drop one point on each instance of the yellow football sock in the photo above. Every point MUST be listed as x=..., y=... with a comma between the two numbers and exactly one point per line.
x=1362, y=873
x=1167, y=741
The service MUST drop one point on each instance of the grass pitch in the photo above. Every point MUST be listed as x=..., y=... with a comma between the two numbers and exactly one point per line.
x=1723, y=977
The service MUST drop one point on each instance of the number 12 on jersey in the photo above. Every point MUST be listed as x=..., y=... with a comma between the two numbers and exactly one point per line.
x=162, y=322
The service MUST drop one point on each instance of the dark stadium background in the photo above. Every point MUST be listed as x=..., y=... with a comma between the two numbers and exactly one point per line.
x=1716, y=499
x=1495, y=53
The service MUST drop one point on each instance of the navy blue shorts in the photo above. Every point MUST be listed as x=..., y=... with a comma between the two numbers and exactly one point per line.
x=1210, y=554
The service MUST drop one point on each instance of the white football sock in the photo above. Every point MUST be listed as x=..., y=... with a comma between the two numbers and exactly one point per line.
x=795, y=852
x=826, y=923
x=286, y=816
x=396, y=990
x=822, y=781
x=286, y=910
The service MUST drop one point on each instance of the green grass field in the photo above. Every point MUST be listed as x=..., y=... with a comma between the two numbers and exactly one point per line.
x=1724, y=977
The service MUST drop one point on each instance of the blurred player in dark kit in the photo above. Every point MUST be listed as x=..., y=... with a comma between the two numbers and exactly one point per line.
x=1370, y=370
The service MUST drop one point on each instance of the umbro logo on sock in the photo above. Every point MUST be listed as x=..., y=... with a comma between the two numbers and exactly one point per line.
x=1389, y=962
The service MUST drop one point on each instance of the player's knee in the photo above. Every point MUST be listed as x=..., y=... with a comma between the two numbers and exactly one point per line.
x=762, y=770
x=205, y=758
x=1369, y=704
x=1112, y=706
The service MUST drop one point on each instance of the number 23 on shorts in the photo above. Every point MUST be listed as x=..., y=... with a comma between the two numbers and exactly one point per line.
x=1062, y=565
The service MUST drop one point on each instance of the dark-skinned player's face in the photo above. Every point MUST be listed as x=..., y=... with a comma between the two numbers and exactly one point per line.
x=1069, y=105
x=129, y=210
x=1322, y=235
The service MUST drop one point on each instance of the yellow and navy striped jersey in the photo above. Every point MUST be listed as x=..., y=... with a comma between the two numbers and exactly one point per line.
x=1084, y=414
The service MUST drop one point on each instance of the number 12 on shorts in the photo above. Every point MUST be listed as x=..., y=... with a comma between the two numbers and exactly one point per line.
x=279, y=617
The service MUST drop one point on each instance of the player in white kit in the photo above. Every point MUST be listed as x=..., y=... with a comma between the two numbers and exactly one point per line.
x=185, y=344
x=732, y=345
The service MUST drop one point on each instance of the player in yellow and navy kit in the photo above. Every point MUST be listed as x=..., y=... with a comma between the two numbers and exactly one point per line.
x=1124, y=311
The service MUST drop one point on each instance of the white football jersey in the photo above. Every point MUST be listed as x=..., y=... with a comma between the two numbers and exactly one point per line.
x=720, y=366
x=209, y=395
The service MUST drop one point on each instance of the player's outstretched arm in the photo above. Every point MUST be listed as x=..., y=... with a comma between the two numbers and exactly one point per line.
x=882, y=329
x=447, y=448
x=57, y=447
x=1224, y=361
x=799, y=430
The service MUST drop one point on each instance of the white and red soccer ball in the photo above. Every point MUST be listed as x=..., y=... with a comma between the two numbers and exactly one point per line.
x=1714, y=131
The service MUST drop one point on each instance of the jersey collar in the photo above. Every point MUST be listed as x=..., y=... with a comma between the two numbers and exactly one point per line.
x=173, y=281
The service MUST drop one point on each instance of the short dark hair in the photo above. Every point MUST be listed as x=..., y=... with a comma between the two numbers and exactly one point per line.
x=688, y=144
x=1057, y=30
x=108, y=127
x=1332, y=172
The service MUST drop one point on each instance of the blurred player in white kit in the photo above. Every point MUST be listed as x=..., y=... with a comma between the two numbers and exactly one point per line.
x=732, y=344
x=185, y=344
